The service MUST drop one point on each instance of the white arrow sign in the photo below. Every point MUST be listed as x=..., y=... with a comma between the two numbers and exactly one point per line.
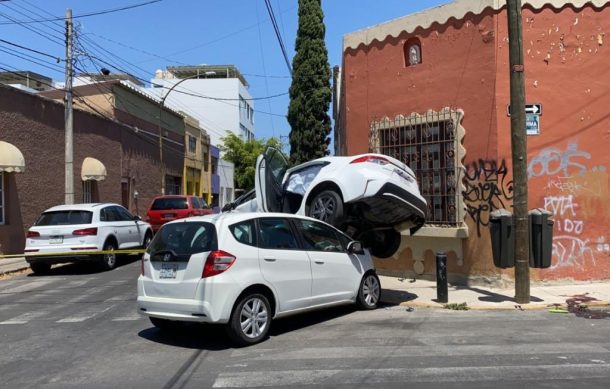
x=529, y=108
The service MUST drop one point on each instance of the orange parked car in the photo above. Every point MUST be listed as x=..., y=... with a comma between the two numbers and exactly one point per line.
x=171, y=207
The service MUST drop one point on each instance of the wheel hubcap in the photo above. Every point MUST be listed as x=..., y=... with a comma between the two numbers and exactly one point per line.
x=371, y=290
x=324, y=208
x=253, y=317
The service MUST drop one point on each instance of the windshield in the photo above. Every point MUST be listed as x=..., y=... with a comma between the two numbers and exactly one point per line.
x=169, y=203
x=183, y=239
x=58, y=218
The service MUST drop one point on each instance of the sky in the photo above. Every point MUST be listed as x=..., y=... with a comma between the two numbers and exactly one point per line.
x=165, y=33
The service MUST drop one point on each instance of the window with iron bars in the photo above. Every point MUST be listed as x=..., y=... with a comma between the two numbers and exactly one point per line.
x=428, y=145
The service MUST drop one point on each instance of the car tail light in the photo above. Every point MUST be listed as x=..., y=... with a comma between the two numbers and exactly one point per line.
x=85, y=231
x=217, y=262
x=373, y=159
x=32, y=234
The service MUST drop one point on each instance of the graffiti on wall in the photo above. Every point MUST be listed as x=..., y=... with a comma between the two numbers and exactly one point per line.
x=571, y=183
x=487, y=188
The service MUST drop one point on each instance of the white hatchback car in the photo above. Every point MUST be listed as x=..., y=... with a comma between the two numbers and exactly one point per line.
x=80, y=228
x=369, y=196
x=245, y=269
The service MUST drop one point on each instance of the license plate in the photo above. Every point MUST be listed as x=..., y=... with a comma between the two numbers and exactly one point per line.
x=56, y=239
x=168, y=270
x=168, y=215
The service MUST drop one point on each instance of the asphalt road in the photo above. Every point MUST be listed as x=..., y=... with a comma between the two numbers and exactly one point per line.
x=78, y=328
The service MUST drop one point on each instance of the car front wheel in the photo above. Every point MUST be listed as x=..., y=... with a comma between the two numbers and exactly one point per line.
x=385, y=243
x=327, y=206
x=370, y=291
x=250, y=320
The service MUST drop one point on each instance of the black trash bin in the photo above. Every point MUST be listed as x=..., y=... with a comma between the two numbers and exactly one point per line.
x=541, y=238
x=502, y=238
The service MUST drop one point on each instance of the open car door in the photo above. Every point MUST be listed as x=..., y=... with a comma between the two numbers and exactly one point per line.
x=270, y=170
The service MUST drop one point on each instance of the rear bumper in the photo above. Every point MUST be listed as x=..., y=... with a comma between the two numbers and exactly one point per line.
x=174, y=309
x=59, y=259
x=392, y=205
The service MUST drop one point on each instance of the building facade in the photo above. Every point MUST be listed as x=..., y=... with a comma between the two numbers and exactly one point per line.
x=112, y=163
x=432, y=89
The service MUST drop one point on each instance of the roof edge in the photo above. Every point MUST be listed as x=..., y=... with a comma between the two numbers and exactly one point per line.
x=457, y=9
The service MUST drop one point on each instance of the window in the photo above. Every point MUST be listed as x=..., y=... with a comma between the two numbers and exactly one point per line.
x=109, y=214
x=275, y=233
x=58, y=218
x=192, y=144
x=124, y=214
x=412, y=52
x=169, y=203
x=206, y=161
x=428, y=144
x=318, y=237
x=2, y=217
x=244, y=232
x=183, y=239
x=87, y=197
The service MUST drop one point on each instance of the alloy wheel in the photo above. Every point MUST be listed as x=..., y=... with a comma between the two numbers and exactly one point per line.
x=371, y=290
x=324, y=207
x=254, y=317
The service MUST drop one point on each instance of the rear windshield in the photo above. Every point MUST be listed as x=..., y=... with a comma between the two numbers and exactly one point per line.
x=195, y=202
x=169, y=203
x=59, y=218
x=181, y=240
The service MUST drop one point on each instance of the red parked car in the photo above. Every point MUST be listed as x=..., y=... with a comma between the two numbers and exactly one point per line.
x=170, y=207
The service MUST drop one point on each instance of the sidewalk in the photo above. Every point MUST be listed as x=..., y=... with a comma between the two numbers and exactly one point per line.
x=11, y=265
x=422, y=293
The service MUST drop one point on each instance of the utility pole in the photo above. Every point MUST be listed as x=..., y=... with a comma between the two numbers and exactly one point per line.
x=519, y=151
x=69, y=171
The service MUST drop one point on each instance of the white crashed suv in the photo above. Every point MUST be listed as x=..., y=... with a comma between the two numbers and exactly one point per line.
x=245, y=269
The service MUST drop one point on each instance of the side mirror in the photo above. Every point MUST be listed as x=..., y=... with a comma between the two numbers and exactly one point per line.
x=137, y=217
x=355, y=247
x=227, y=207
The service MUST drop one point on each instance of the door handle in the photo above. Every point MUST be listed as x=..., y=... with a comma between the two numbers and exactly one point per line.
x=319, y=262
x=269, y=259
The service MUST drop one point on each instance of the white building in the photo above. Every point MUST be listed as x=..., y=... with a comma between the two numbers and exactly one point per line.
x=216, y=95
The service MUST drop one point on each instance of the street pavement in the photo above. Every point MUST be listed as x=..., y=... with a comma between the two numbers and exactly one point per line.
x=78, y=327
x=423, y=293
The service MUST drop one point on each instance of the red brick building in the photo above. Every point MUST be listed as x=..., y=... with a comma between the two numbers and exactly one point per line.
x=112, y=163
x=432, y=89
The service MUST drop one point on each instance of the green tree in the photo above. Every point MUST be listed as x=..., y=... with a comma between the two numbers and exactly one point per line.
x=243, y=154
x=310, y=93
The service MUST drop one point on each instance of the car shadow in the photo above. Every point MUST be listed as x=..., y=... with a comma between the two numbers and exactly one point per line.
x=190, y=335
x=84, y=267
x=391, y=297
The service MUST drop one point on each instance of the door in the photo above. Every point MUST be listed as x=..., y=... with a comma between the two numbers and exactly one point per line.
x=113, y=222
x=335, y=273
x=135, y=231
x=270, y=170
x=283, y=264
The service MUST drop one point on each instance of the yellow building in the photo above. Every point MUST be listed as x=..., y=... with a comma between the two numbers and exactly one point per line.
x=197, y=176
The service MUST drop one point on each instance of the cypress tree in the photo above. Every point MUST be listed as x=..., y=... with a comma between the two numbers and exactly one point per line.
x=310, y=93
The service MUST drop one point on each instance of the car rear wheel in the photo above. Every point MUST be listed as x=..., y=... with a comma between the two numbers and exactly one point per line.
x=250, y=320
x=108, y=261
x=40, y=268
x=385, y=243
x=370, y=291
x=327, y=206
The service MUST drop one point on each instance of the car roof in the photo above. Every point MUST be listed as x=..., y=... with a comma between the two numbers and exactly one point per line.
x=80, y=207
x=233, y=217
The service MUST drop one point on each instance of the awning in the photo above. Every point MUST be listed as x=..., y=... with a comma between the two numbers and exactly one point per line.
x=92, y=169
x=11, y=159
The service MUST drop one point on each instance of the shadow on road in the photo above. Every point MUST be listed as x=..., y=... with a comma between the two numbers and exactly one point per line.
x=190, y=335
x=493, y=297
x=84, y=267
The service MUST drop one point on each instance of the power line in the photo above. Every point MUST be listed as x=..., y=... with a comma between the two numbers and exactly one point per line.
x=278, y=35
x=32, y=60
x=46, y=36
x=86, y=14
x=32, y=50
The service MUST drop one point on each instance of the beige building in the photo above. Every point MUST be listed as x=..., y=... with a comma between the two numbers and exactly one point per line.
x=197, y=178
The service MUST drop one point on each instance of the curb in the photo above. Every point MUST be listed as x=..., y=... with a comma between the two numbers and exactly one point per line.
x=514, y=307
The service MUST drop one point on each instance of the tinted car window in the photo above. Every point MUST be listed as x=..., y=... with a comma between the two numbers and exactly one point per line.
x=275, y=233
x=124, y=214
x=169, y=203
x=58, y=218
x=203, y=203
x=244, y=232
x=183, y=239
x=109, y=214
x=319, y=237
x=195, y=203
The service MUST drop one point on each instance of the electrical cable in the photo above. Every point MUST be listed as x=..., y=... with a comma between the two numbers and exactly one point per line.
x=32, y=50
x=278, y=35
x=87, y=14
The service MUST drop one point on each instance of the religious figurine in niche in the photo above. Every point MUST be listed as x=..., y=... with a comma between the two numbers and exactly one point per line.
x=414, y=55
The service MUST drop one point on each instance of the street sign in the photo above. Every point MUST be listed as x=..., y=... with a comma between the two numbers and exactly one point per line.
x=529, y=108
x=532, y=124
